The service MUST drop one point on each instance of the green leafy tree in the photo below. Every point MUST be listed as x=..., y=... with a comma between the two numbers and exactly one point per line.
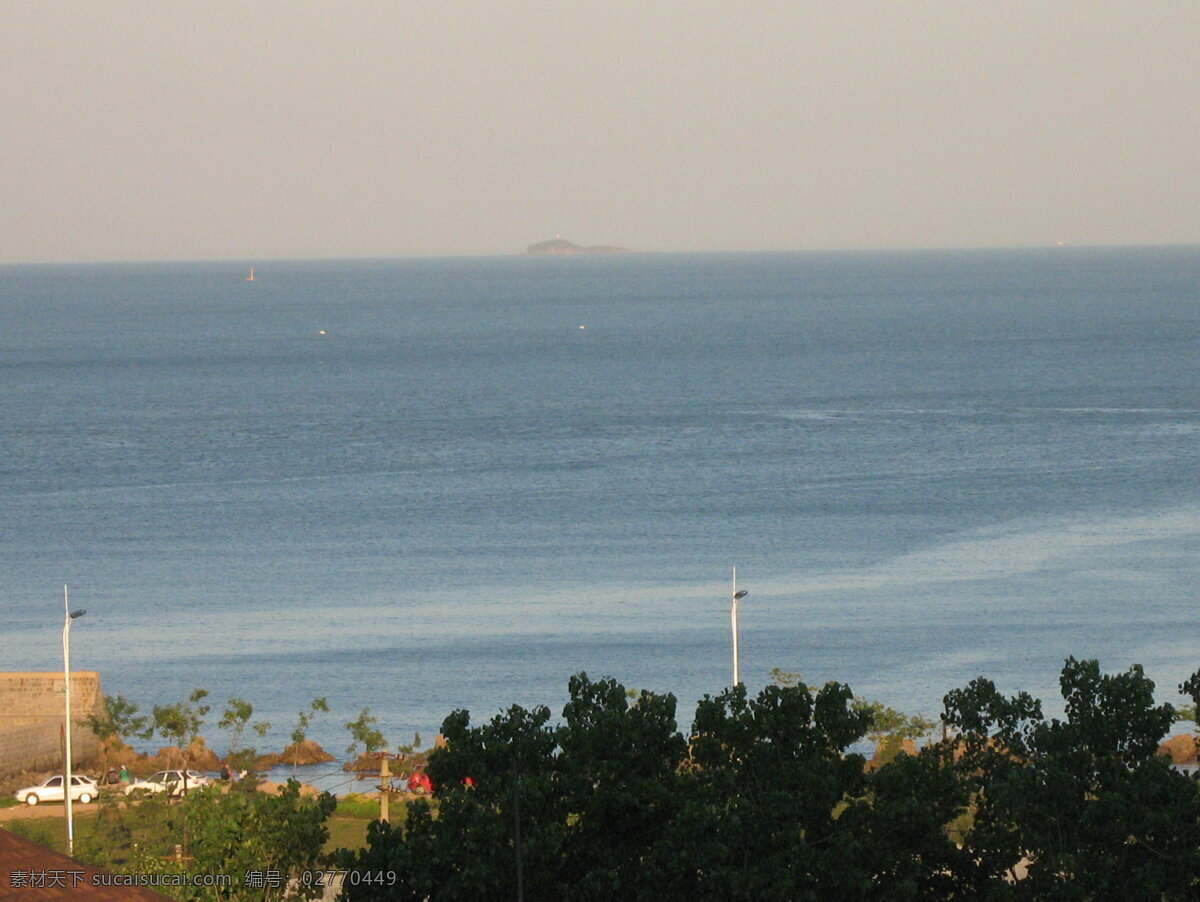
x=410, y=748
x=1084, y=804
x=180, y=723
x=116, y=721
x=549, y=807
x=889, y=727
x=1185, y=713
x=364, y=732
x=305, y=718
x=234, y=720
x=234, y=833
x=765, y=801
x=1191, y=688
x=785, y=678
x=611, y=803
x=770, y=778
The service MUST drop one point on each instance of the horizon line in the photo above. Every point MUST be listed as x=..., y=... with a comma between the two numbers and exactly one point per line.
x=333, y=258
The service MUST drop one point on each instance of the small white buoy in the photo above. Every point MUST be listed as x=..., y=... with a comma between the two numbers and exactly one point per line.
x=321, y=332
x=583, y=327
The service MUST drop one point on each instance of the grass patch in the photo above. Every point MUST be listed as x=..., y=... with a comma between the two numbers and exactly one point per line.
x=120, y=828
x=45, y=831
x=358, y=806
x=348, y=824
x=346, y=833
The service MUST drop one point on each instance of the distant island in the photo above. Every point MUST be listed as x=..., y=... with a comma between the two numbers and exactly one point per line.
x=562, y=246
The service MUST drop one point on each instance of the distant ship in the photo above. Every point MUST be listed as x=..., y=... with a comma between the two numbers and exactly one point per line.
x=251, y=277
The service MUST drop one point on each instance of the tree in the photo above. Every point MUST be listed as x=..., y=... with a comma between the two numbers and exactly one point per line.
x=238, y=833
x=363, y=732
x=116, y=720
x=180, y=723
x=305, y=717
x=765, y=800
x=785, y=678
x=770, y=777
x=235, y=719
x=411, y=747
x=612, y=805
x=549, y=808
x=1084, y=803
x=1191, y=688
x=889, y=727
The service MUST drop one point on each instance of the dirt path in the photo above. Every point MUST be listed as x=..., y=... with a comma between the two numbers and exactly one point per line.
x=46, y=809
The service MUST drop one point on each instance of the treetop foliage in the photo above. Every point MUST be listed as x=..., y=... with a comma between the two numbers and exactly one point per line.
x=181, y=722
x=363, y=732
x=763, y=799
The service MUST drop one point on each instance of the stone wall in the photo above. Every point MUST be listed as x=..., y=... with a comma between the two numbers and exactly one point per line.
x=31, y=719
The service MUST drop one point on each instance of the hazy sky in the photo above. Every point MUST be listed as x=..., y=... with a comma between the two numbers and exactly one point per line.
x=181, y=130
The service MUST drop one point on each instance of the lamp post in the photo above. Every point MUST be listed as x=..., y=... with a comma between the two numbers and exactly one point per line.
x=70, y=615
x=737, y=596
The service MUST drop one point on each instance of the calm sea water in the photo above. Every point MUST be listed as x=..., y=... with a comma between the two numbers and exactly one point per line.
x=427, y=484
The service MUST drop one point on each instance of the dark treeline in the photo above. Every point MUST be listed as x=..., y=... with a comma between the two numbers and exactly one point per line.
x=761, y=800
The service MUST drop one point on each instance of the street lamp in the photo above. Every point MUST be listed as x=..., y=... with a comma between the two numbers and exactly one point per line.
x=70, y=615
x=737, y=596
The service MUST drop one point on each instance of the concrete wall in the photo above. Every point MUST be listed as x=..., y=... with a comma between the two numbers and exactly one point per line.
x=31, y=719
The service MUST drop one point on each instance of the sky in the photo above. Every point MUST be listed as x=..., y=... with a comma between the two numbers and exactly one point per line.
x=262, y=130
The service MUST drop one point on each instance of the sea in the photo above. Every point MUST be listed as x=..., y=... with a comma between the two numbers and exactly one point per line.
x=420, y=485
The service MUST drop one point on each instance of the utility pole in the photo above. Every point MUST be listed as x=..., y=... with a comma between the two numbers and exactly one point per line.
x=385, y=788
x=385, y=784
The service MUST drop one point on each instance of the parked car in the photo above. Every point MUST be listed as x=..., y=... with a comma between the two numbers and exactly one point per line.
x=169, y=781
x=83, y=789
x=419, y=781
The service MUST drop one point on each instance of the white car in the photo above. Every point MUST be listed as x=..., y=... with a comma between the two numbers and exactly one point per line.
x=83, y=789
x=169, y=781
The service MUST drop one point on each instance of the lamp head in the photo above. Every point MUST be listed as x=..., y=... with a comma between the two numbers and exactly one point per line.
x=75, y=615
x=738, y=596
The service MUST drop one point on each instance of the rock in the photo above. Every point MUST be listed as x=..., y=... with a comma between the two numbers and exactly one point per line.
x=120, y=754
x=196, y=756
x=268, y=761
x=306, y=752
x=200, y=756
x=1180, y=749
x=166, y=758
x=306, y=791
